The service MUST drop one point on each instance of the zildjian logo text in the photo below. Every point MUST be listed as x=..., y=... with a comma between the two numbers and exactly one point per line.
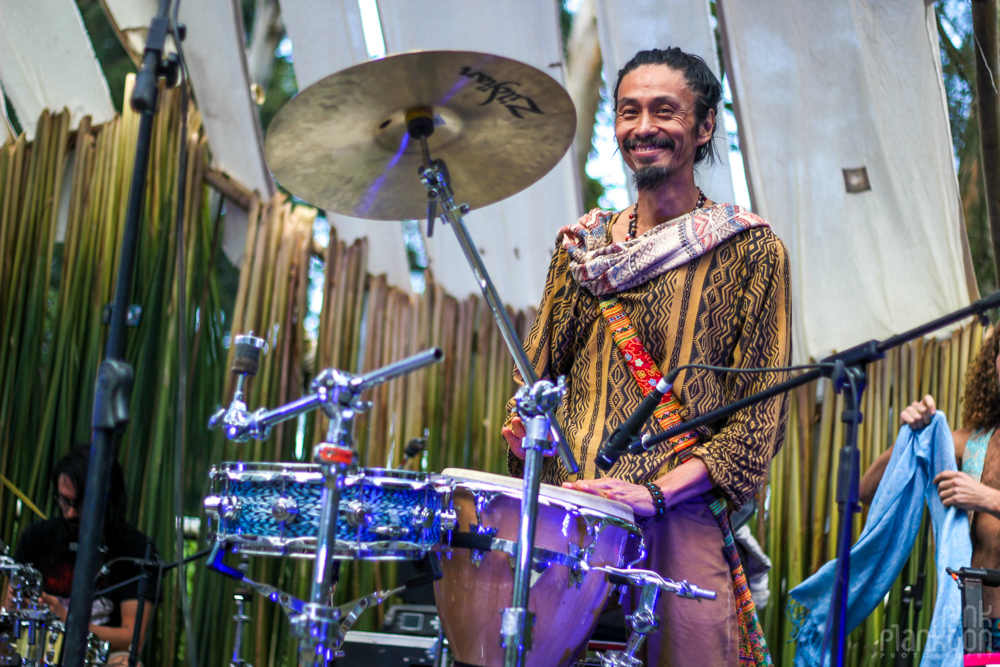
x=502, y=93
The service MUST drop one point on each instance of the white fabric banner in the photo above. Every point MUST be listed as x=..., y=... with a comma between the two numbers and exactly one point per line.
x=516, y=236
x=842, y=84
x=48, y=62
x=327, y=36
x=216, y=58
x=626, y=27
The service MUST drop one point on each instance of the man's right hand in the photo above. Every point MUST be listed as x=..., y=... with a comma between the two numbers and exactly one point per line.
x=919, y=413
x=514, y=434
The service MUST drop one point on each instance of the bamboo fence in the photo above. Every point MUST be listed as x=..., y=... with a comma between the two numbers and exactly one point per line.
x=55, y=281
x=62, y=202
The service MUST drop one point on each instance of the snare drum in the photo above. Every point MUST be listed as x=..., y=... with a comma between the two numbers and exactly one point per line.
x=273, y=509
x=574, y=529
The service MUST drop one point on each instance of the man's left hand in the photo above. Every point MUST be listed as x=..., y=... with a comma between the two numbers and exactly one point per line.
x=635, y=496
x=55, y=606
x=958, y=489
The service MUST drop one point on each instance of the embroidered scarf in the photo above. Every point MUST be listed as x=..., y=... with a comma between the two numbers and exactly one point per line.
x=607, y=268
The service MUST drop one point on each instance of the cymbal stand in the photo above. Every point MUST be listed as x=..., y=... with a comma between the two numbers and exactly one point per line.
x=537, y=400
x=541, y=395
x=435, y=178
x=337, y=393
x=644, y=620
x=25, y=583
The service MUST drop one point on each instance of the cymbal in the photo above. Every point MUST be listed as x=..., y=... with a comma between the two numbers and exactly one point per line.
x=342, y=143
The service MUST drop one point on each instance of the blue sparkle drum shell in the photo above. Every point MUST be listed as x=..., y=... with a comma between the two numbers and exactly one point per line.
x=273, y=509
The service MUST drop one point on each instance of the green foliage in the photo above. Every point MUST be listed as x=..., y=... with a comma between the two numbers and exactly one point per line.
x=959, y=70
x=593, y=190
x=281, y=88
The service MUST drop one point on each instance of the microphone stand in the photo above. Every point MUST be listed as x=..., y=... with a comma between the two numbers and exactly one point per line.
x=114, y=377
x=847, y=370
x=913, y=595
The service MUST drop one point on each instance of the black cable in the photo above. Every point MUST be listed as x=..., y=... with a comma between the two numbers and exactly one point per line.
x=161, y=564
x=132, y=559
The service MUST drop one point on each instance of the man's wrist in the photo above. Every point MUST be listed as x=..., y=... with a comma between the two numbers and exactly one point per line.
x=667, y=490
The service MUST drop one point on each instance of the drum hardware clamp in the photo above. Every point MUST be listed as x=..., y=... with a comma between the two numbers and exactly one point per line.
x=644, y=620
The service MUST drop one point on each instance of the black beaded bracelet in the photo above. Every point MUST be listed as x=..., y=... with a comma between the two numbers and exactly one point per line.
x=658, y=500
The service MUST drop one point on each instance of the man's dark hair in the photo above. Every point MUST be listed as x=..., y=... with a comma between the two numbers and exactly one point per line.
x=74, y=465
x=699, y=78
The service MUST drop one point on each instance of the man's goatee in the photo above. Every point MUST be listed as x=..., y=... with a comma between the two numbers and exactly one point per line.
x=650, y=178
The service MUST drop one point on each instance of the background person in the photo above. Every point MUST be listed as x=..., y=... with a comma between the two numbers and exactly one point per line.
x=50, y=546
x=975, y=487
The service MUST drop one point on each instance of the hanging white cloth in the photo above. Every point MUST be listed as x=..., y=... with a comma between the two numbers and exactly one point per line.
x=327, y=36
x=48, y=62
x=216, y=58
x=517, y=235
x=626, y=27
x=845, y=84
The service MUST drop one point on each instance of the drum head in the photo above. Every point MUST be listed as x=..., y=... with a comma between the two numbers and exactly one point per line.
x=597, y=503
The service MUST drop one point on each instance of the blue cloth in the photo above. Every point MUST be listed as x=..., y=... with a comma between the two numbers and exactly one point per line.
x=883, y=547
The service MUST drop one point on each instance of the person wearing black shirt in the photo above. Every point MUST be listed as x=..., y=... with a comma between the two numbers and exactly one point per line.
x=50, y=546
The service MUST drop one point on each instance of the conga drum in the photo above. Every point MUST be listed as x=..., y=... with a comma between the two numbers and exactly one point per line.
x=574, y=530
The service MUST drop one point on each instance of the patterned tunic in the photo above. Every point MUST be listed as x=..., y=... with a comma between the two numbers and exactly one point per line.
x=729, y=307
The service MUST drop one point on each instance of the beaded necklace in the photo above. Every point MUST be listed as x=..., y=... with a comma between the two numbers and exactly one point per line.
x=633, y=217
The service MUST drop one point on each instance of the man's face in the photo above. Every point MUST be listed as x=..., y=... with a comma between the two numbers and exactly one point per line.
x=67, y=500
x=655, y=123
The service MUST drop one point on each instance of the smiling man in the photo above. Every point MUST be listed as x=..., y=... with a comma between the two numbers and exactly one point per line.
x=679, y=279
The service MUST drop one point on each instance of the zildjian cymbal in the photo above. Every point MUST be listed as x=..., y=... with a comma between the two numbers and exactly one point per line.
x=342, y=143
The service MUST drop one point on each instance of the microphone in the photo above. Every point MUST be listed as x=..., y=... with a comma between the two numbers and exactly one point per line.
x=414, y=448
x=619, y=441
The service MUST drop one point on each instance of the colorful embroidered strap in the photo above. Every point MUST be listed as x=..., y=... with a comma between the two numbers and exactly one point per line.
x=646, y=373
x=753, y=647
